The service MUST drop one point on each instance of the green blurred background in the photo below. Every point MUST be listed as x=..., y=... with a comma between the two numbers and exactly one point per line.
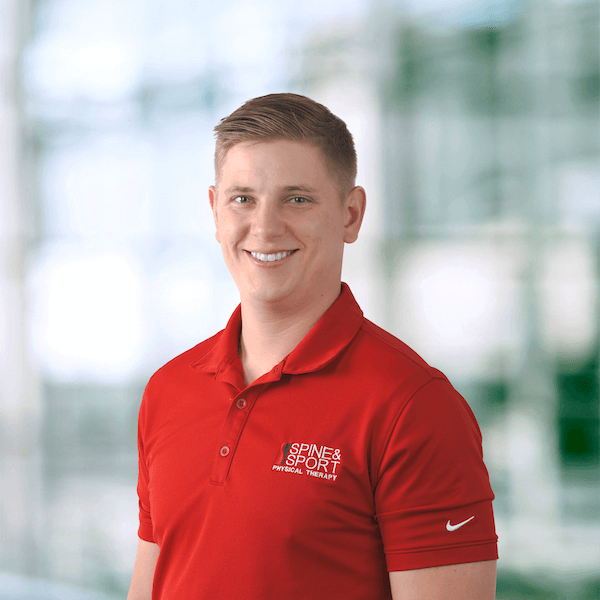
x=477, y=131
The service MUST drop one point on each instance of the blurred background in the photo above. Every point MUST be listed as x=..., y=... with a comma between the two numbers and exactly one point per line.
x=477, y=131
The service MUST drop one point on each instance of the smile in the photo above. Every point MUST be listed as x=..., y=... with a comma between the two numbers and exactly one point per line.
x=271, y=257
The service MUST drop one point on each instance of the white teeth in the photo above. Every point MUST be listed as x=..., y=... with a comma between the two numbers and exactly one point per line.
x=270, y=257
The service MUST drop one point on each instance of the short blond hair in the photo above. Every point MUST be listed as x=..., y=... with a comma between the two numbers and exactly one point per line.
x=290, y=117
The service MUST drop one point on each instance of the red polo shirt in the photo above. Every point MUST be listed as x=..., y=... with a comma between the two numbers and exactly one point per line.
x=350, y=458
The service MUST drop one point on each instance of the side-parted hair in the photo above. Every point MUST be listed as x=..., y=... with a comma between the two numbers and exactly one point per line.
x=290, y=117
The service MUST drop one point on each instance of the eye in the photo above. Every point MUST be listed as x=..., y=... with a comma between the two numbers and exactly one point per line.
x=242, y=199
x=299, y=200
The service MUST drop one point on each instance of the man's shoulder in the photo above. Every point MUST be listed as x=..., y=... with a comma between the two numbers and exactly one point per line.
x=389, y=350
x=186, y=360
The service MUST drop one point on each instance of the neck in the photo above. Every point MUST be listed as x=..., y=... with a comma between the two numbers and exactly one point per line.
x=271, y=332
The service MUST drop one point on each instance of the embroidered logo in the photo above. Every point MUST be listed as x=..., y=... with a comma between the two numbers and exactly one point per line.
x=458, y=525
x=311, y=460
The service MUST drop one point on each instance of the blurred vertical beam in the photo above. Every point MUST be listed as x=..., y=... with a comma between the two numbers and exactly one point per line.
x=531, y=425
x=20, y=471
x=401, y=185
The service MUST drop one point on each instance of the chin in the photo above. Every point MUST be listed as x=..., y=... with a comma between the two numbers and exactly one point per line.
x=267, y=293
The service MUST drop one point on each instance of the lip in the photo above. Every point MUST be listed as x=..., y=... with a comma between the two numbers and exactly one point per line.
x=273, y=263
x=277, y=251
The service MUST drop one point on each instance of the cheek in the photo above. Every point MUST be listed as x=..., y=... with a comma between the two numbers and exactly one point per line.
x=225, y=230
x=230, y=235
x=332, y=231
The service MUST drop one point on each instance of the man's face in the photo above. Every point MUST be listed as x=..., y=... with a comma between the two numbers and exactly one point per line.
x=281, y=223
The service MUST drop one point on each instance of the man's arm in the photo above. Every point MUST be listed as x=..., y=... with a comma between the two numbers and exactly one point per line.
x=143, y=571
x=468, y=581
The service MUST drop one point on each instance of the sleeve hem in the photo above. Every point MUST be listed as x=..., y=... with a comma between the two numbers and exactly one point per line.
x=145, y=533
x=405, y=561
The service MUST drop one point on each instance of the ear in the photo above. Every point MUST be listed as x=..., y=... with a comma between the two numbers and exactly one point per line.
x=212, y=198
x=354, y=211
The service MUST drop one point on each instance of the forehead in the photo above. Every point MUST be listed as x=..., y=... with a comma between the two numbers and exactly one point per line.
x=278, y=160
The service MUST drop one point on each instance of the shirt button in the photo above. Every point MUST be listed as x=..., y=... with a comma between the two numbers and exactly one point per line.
x=224, y=451
x=241, y=403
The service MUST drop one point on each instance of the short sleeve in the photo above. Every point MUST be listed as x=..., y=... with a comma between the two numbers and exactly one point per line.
x=433, y=496
x=145, y=528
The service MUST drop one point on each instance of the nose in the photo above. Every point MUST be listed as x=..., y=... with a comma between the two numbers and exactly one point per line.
x=268, y=220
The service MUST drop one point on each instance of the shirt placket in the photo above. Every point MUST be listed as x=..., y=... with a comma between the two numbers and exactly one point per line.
x=238, y=414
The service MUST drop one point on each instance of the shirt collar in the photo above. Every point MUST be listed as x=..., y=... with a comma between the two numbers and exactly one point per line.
x=328, y=337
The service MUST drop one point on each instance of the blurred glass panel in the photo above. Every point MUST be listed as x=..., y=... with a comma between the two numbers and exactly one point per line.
x=98, y=186
x=84, y=299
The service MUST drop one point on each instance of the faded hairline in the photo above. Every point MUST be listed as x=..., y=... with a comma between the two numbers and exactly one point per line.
x=290, y=117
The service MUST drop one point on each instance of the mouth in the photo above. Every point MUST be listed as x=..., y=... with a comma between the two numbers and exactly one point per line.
x=271, y=257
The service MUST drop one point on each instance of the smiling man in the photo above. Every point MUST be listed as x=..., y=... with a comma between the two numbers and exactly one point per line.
x=303, y=453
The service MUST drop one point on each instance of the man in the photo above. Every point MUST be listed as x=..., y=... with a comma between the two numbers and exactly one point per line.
x=303, y=453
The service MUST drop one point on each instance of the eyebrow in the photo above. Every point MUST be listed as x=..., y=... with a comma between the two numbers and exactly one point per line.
x=237, y=189
x=299, y=188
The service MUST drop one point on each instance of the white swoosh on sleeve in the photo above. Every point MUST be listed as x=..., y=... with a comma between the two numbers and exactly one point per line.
x=458, y=525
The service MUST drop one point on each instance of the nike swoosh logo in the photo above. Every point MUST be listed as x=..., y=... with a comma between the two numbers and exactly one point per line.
x=458, y=525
